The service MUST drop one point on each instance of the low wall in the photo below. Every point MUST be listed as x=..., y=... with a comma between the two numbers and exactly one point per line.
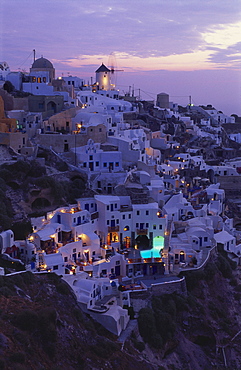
x=141, y=299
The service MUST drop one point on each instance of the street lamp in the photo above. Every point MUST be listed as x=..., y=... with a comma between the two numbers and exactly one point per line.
x=77, y=131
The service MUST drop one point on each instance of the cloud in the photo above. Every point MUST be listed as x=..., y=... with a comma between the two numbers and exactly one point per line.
x=230, y=57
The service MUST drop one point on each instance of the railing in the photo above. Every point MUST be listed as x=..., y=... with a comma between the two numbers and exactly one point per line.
x=141, y=231
x=113, y=228
x=94, y=215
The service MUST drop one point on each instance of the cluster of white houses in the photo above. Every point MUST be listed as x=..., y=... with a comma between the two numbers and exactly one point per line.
x=146, y=218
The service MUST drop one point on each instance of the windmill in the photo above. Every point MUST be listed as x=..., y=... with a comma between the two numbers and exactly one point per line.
x=112, y=65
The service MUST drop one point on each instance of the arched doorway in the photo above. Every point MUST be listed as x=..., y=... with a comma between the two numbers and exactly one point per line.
x=182, y=257
x=143, y=243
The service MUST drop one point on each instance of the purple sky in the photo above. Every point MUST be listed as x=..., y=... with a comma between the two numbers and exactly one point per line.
x=181, y=47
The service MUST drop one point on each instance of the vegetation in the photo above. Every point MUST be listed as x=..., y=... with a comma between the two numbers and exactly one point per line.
x=157, y=323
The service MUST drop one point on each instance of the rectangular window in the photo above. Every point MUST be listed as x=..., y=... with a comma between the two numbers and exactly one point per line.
x=137, y=213
x=147, y=225
x=108, y=222
x=65, y=259
x=123, y=217
x=160, y=227
x=105, y=164
x=129, y=216
x=137, y=225
x=147, y=213
x=107, y=207
x=55, y=267
x=205, y=238
x=117, y=221
x=115, y=205
x=91, y=157
x=117, y=164
x=97, y=164
x=154, y=227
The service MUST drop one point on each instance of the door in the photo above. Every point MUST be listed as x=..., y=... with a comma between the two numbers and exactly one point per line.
x=112, y=223
x=182, y=256
x=117, y=270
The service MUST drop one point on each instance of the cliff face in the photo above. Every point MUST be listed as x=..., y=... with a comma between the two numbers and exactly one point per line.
x=207, y=322
x=42, y=327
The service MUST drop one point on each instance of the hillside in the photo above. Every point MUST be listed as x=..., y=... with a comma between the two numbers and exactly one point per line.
x=41, y=326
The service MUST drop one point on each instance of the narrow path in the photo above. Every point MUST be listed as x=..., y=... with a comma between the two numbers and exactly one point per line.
x=127, y=332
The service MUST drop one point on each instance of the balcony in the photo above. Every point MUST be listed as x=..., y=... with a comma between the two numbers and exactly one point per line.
x=94, y=215
x=111, y=229
x=141, y=231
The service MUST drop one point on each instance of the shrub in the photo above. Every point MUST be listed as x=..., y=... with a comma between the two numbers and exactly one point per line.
x=233, y=282
x=79, y=315
x=165, y=325
x=209, y=271
x=63, y=288
x=146, y=324
x=224, y=267
x=21, y=229
x=2, y=364
x=238, y=288
x=6, y=292
x=26, y=320
x=156, y=341
x=18, y=357
x=139, y=345
x=6, y=175
x=104, y=347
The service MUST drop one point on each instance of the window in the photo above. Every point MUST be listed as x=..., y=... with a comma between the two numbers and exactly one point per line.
x=74, y=250
x=108, y=222
x=97, y=164
x=117, y=263
x=105, y=164
x=117, y=164
x=91, y=157
x=123, y=217
x=129, y=216
x=117, y=221
x=147, y=225
x=84, y=164
x=137, y=213
x=55, y=267
x=65, y=259
x=160, y=227
x=205, y=238
x=107, y=207
x=137, y=225
x=154, y=227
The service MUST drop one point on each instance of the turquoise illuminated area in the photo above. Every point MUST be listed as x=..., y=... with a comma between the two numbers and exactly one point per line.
x=155, y=252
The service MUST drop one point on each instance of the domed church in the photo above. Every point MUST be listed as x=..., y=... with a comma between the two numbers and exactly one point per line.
x=43, y=65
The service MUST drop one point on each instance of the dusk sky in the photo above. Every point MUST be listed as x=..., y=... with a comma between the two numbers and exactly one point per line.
x=183, y=48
